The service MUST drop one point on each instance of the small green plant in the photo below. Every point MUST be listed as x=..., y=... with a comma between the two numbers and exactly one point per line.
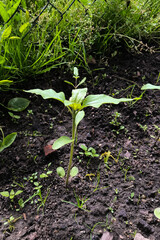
x=10, y=223
x=11, y=195
x=76, y=105
x=116, y=123
x=143, y=127
x=88, y=152
x=6, y=141
x=131, y=196
x=80, y=202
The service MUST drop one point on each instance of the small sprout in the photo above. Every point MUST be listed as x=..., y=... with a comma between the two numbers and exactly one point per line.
x=60, y=172
x=90, y=175
x=74, y=172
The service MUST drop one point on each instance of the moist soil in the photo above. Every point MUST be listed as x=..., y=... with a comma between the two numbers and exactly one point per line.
x=118, y=195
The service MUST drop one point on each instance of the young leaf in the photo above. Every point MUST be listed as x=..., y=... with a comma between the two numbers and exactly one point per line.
x=79, y=117
x=7, y=141
x=60, y=142
x=49, y=93
x=43, y=175
x=3, y=12
x=2, y=60
x=78, y=95
x=60, y=172
x=18, y=104
x=149, y=86
x=18, y=192
x=6, y=33
x=74, y=172
x=97, y=100
x=157, y=212
x=12, y=194
x=23, y=27
x=82, y=146
x=76, y=72
x=81, y=82
x=5, y=194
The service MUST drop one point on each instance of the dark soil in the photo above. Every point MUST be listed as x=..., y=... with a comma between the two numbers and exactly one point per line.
x=120, y=197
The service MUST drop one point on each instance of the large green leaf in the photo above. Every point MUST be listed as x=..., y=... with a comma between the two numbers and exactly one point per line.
x=7, y=141
x=60, y=142
x=18, y=104
x=49, y=93
x=79, y=117
x=97, y=100
x=3, y=12
x=149, y=86
x=14, y=7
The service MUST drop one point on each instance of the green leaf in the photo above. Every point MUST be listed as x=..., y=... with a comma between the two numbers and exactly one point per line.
x=60, y=142
x=97, y=100
x=5, y=194
x=81, y=82
x=7, y=141
x=6, y=33
x=43, y=175
x=74, y=172
x=78, y=95
x=18, y=104
x=14, y=7
x=12, y=194
x=149, y=86
x=69, y=83
x=76, y=99
x=14, y=38
x=82, y=146
x=79, y=117
x=2, y=60
x=49, y=93
x=23, y=27
x=3, y=12
x=76, y=72
x=60, y=172
x=5, y=82
x=18, y=192
x=157, y=212
x=14, y=116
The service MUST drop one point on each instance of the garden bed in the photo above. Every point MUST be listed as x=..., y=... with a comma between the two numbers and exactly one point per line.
x=119, y=196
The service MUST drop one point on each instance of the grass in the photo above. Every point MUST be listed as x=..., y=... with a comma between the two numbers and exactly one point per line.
x=69, y=33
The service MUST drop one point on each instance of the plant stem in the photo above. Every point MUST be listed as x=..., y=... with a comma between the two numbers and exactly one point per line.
x=72, y=146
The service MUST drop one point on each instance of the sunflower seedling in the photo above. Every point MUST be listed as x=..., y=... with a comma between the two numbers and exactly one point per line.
x=76, y=105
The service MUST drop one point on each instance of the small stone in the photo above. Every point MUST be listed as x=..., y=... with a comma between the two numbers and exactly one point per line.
x=140, y=237
x=107, y=236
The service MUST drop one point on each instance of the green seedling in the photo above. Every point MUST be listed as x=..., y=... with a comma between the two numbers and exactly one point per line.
x=11, y=195
x=143, y=127
x=6, y=141
x=131, y=196
x=105, y=156
x=76, y=105
x=80, y=202
x=10, y=223
x=88, y=152
x=116, y=123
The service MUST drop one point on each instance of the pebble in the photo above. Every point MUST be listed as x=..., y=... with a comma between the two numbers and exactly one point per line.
x=140, y=237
